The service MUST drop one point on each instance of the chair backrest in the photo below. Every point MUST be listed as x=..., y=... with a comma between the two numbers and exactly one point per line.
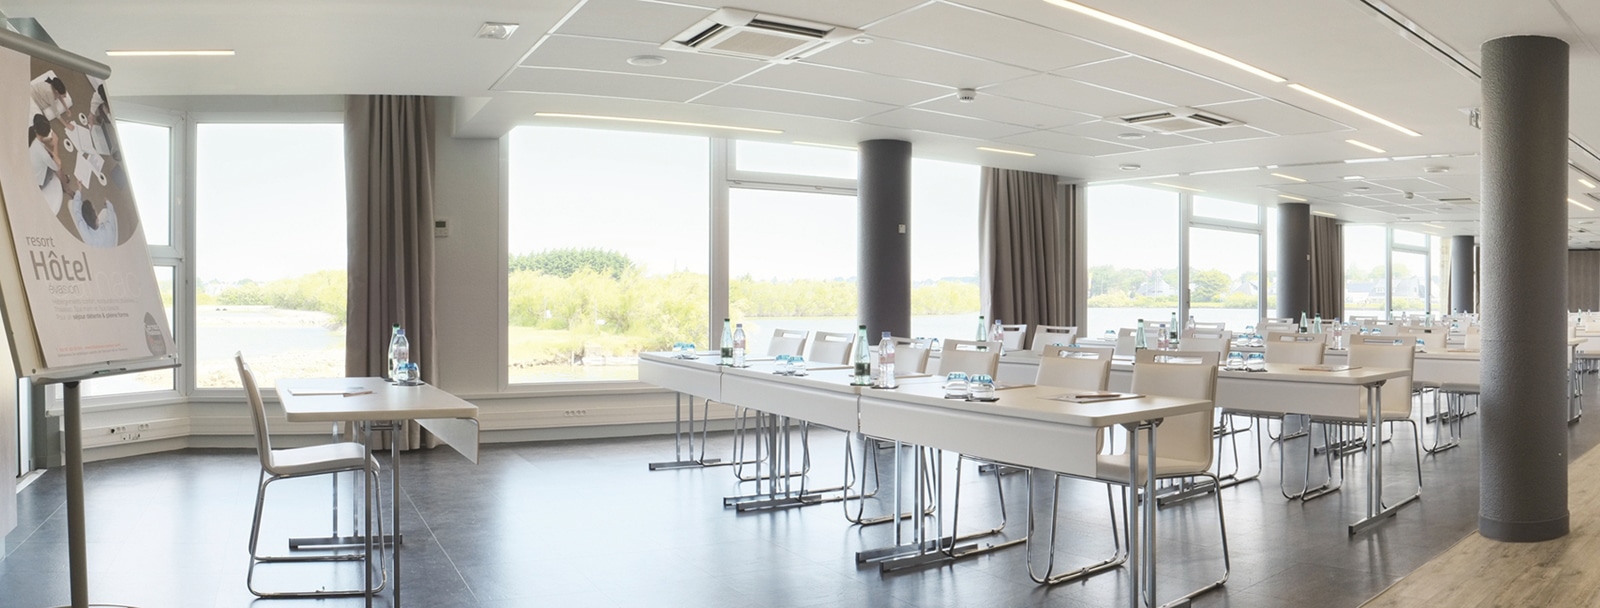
x=1180, y=374
x=1014, y=335
x=910, y=356
x=831, y=348
x=1472, y=341
x=1272, y=320
x=1088, y=371
x=970, y=357
x=1267, y=328
x=1432, y=342
x=258, y=411
x=1204, y=326
x=787, y=342
x=1209, y=340
x=1384, y=328
x=1300, y=349
x=1126, y=339
x=1045, y=335
x=1382, y=351
x=1077, y=351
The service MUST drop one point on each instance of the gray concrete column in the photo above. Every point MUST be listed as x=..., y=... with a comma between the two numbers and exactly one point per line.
x=1523, y=418
x=883, y=201
x=1461, y=273
x=1294, y=261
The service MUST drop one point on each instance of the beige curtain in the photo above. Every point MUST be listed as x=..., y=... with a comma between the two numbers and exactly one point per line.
x=389, y=176
x=1027, y=226
x=1327, y=268
x=1583, y=279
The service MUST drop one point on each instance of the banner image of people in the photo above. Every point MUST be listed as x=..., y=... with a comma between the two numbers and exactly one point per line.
x=82, y=254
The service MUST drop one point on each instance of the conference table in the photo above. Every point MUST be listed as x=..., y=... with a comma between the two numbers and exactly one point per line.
x=1023, y=426
x=381, y=405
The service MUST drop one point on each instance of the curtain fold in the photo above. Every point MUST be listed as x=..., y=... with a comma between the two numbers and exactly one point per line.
x=1028, y=222
x=1327, y=268
x=1583, y=279
x=389, y=164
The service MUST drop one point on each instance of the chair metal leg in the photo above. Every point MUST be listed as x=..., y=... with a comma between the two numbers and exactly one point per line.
x=1118, y=556
x=366, y=556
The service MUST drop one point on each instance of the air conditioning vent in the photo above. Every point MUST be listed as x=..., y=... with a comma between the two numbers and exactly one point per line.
x=1456, y=200
x=1176, y=120
x=739, y=33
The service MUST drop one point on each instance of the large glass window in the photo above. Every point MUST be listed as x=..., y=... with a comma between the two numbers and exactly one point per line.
x=1133, y=256
x=791, y=263
x=944, y=249
x=270, y=251
x=1225, y=277
x=607, y=251
x=1365, y=278
x=791, y=159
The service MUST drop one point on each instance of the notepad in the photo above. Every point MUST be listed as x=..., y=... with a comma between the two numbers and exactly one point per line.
x=352, y=391
x=1094, y=396
x=1329, y=368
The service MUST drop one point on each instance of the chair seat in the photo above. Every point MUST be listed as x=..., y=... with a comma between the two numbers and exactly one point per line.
x=318, y=459
x=1465, y=388
x=1114, y=467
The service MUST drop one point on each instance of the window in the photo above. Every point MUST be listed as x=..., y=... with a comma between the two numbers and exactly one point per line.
x=1366, y=283
x=1225, y=277
x=944, y=249
x=586, y=295
x=791, y=263
x=1133, y=256
x=270, y=251
x=790, y=159
x=1218, y=209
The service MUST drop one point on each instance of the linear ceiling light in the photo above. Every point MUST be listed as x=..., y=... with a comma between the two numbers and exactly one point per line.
x=1176, y=186
x=1292, y=198
x=1433, y=226
x=1363, y=113
x=1585, y=207
x=1016, y=152
x=677, y=123
x=173, y=53
x=1164, y=37
x=1586, y=183
x=1323, y=214
x=1216, y=171
x=822, y=145
x=1291, y=177
x=1362, y=144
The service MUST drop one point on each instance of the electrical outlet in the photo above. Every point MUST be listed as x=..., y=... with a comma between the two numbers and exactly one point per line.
x=117, y=430
x=574, y=413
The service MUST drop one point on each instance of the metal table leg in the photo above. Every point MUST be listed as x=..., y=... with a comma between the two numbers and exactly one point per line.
x=1376, y=511
x=678, y=434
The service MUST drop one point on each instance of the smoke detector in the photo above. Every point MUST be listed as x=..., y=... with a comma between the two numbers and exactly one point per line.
x=745, y=34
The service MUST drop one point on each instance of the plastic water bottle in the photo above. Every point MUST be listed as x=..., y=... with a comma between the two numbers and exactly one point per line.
x=1302, y=321
x=738, y=345
x=1316, y=326
x=983, y=330
x=400, y=351
x=886, y=362
x=1172, y=331
x=394, y=366
x=863, y=367
x=727, y=341
x=998, y=334
x=1138, y=337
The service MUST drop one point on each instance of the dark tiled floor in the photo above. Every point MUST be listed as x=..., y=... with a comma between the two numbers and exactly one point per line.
x=584, y=523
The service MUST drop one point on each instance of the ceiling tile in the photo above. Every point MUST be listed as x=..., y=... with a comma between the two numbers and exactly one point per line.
x=603, y=84
x=1410, y=184
x=789, y=102
x=922, y=120
x=1109, y=131
x=990, y=36
x=612, y=56
x=1007, y=110
x=848, y=13
x=1071, y=144
x=1233, y=133
x=651, y=22
x=1066, y=93
x=1146, y=78
x=900, y=60
x=1276, y=117
x=844, y=83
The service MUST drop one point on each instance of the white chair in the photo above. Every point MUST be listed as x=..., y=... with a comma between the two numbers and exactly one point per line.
x=1082, y=370
x=1294, y=349
x=1267, y=328
x=784, y=342
x=1208, y=340
x=910, y=356
x=1045, y=335
x=289, y=463
x=969, y=356
x=831, y=348
x=787, y=342
x=1395, y=394
x=1013, y=335
x=1076, y=350
x=1126, y=339
x=1205, y=326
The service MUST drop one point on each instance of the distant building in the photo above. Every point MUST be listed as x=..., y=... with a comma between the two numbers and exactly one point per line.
x=1156, y=287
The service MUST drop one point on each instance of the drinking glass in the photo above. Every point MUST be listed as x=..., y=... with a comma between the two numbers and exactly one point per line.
x=785, y=365
x=1256, y=362
x=955, y=385
x=407, y=375
x=797, y=365
x=1235, y=360
x=1257, y=340
x=982, y=387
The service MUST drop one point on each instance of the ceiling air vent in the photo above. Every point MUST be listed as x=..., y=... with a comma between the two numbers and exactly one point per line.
x=749, y=35
x=1176, y=120
x=1456, y=200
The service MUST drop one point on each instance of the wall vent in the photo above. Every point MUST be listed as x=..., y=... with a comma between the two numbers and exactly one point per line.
x=745, y=34
x=1176, y=120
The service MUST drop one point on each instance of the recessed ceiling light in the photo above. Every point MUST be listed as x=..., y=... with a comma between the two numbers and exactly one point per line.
x=1001, y=151
x=1323, y=214
x=1130, y=136
x=1363, y=113
x=1362, y=144
x=676, y=123
x=646, y=61
x=1164, y=37
x=1288, y=177
x=1292, y=198
x=822, y=145
x=1176, y=186
x=1351, y=177
x=861, y=40
x=1585, y=207
x=1436, y=169
x=1586, y=183
x=497, y=30
x=1216, y=171
x=1129, y=167
x=173, y=53
x=1357, y=161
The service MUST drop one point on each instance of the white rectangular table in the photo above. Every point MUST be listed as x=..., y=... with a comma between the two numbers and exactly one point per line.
x=386, y=407
x=701, y=377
